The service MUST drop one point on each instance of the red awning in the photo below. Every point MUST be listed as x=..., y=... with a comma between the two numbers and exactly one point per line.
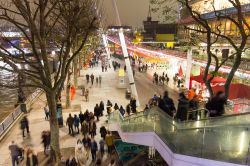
x=236, y=91
x=199, y=79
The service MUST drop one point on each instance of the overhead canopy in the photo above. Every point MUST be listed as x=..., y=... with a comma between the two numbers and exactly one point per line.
x=215, y=80
x=236, y=91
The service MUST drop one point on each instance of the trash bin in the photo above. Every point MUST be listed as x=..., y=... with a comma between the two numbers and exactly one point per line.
x=128, y=94
x=23, y=107
x=59, y=114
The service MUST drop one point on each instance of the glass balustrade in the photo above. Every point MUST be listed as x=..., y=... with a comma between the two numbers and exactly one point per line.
x=223, y=139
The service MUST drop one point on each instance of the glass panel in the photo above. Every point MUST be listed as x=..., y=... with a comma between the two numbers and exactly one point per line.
x=224, y=139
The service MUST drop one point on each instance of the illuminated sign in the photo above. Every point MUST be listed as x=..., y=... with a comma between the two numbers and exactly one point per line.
x=225, y=12
x=11, y=34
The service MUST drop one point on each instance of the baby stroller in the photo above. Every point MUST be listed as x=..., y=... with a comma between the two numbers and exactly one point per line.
x=20, y=154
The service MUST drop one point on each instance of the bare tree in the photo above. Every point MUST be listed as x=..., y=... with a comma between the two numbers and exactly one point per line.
x=215, y=34
x=46, y=25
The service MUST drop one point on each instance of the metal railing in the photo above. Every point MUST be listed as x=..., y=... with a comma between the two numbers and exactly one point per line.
x=10, y=119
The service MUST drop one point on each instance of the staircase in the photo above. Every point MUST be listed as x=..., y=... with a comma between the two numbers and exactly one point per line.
x=212, y=142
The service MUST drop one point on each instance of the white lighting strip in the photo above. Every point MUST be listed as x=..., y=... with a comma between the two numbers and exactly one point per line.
x=161, y=55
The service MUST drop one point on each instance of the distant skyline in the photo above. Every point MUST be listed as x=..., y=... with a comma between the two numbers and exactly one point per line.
x=132, y=12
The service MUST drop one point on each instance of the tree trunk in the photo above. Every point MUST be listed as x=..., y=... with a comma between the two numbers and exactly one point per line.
x=68, y=102
x=209, y=88
x=230, y=76
x=54, y=128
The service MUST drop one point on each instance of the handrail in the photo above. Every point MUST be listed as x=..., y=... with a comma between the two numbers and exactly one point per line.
x=11, y=118
x=185, y=122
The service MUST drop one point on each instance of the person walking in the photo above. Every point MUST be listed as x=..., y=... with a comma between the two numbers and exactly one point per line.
x=128, y=110
x=116, y=107
x=183, y=106
x=71, y=161
x=133, y=104
x=92, y=128
x=31, y=158
x=102, y=143
x=81, y=155
x=14, y=153
x=81, y=117
x=109, y=141
x=97, y=112
x=167, y=104
x=86, y=116
x=86, y=95
x=76, y=123
x=87, y=78
x=103, y=132
x=96, y=80
x=46, y=141
x=69, y=123
x=101, y=106
x=85, y=128
x=112, y=162
x=46, y=111
x=92, y=77
x=24, y=125
x=122, y=110
x=216, y=104
x=100, y=79
x=93, y=148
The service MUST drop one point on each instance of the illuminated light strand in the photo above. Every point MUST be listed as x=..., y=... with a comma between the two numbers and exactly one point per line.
x=239, y=74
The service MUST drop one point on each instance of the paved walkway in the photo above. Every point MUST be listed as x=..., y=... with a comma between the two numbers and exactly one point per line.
x=107, y=90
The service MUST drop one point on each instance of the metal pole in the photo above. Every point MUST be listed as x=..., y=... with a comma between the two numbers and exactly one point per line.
x=125, y=54
x=189, y=67
x=105, y=42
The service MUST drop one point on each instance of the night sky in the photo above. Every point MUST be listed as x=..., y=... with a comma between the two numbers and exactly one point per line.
x=132, y=12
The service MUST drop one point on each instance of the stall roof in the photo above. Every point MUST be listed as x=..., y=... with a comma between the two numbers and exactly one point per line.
x=199, y=79
x=236, y=91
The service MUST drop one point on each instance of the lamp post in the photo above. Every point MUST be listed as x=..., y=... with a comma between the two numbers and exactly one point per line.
x=189, y=67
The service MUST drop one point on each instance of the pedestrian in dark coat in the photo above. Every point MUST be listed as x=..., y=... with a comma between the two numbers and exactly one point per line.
x=81, y=117
x=183, y=107
x=101, y=106
x=92, y=77
x=167, y=104
x=97, y=112
x=14, y=152
x=46, y=141
x=133, y=105
x=93, y=148
x=31, y=158
x=116, y=107
x=87, y=78
x=86, y=115
x=122, y=110
x=103, y=132
x=128, y=110
x=85, y=128
x=76, y=123
x=216, y=104
x=69, y=123
x=24, y=125
x=92, y=128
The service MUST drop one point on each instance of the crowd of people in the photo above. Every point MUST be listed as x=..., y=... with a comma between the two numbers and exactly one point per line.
x=160, y=79
x=88, y=129
x=188, y=102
